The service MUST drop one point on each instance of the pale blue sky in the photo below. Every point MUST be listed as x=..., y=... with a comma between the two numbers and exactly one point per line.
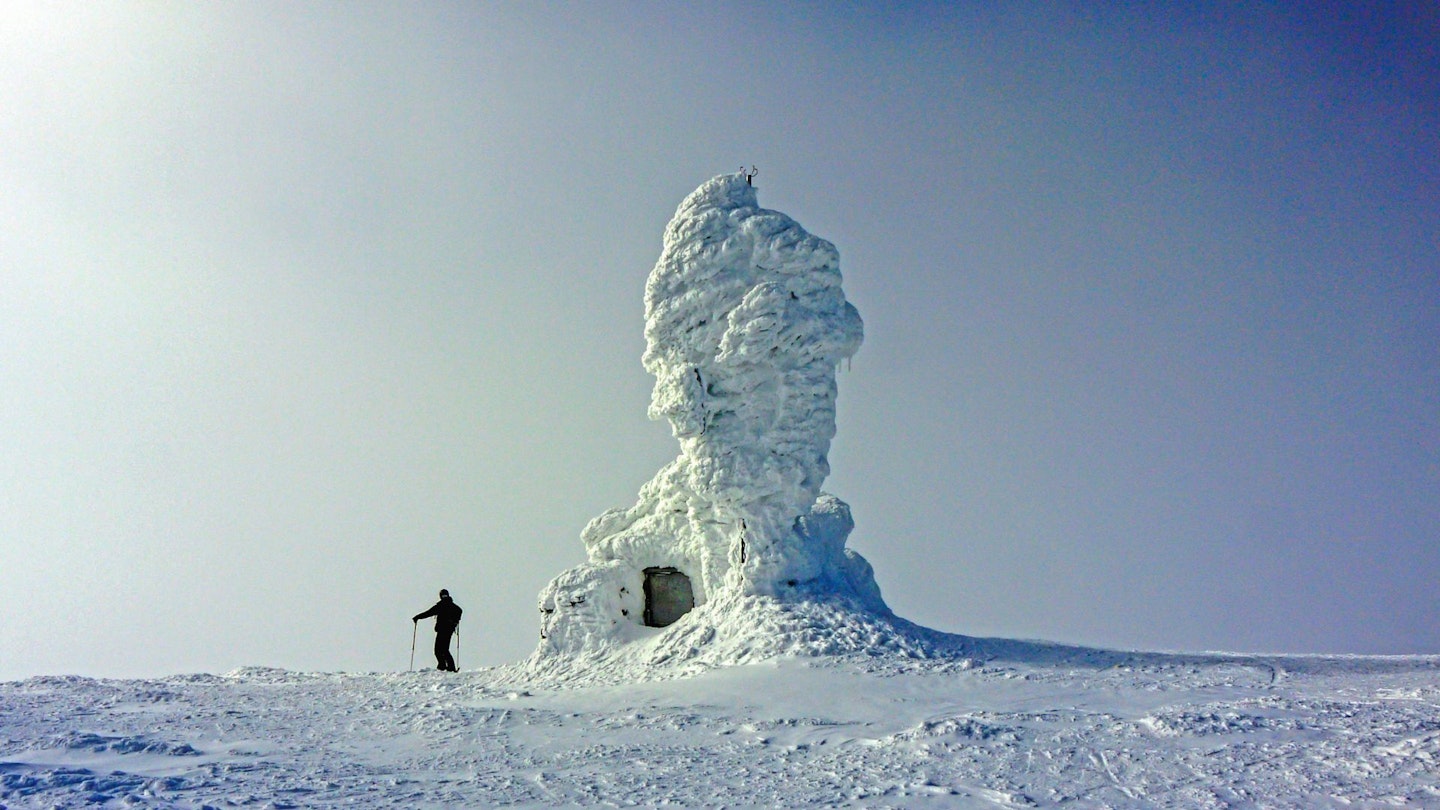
x=308, y=312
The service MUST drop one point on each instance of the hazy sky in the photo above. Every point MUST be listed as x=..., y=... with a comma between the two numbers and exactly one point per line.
x=309, y=311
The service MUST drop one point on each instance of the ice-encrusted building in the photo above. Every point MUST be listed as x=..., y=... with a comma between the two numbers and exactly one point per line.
x=746, y=325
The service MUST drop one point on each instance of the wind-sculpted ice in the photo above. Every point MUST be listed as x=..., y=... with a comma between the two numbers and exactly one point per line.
x=746, y=325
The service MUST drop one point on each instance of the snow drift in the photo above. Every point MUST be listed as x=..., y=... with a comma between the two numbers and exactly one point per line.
x=746, y=325
x=1143, y=730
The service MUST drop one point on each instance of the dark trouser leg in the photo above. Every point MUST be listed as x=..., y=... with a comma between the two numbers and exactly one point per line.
x=442, y=651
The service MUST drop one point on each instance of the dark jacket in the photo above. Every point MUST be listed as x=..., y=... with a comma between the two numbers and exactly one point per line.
x=446, y=613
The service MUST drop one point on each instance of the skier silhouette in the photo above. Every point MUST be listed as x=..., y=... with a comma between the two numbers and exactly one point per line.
x=447, y=619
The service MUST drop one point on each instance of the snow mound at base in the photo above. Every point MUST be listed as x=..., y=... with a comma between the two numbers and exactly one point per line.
x=746, y=629
x=740, y=629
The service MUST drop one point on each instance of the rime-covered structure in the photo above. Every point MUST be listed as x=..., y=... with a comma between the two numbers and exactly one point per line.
x=745, y=327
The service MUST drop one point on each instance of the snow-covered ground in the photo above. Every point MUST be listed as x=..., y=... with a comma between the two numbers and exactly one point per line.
x=1005, y=724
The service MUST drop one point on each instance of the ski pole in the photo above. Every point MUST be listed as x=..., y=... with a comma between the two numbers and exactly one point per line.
x=457, y=648
x=415, y=629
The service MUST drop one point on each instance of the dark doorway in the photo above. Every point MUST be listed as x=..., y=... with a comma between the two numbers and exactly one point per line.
x=667, y=596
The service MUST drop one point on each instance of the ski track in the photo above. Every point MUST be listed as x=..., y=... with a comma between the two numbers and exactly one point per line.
x=881, y=732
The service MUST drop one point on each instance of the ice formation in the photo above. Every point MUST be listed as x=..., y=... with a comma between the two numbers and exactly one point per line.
x=746, y=325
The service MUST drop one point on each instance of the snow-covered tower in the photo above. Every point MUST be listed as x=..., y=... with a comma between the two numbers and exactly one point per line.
x=746, y=325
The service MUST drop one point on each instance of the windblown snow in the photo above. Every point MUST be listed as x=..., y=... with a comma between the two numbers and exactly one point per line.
x=720, y=647
x=1015, y=725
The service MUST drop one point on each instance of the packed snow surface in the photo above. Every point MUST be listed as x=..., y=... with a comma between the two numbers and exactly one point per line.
x=1008, y=725
x=745, y=327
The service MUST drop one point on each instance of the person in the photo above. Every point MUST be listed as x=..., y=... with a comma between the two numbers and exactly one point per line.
x=447, y=618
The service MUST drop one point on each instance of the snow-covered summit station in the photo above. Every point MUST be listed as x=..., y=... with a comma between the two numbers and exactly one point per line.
x=746, y=325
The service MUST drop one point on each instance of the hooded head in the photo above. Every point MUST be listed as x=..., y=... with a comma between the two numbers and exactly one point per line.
x=444, y=594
